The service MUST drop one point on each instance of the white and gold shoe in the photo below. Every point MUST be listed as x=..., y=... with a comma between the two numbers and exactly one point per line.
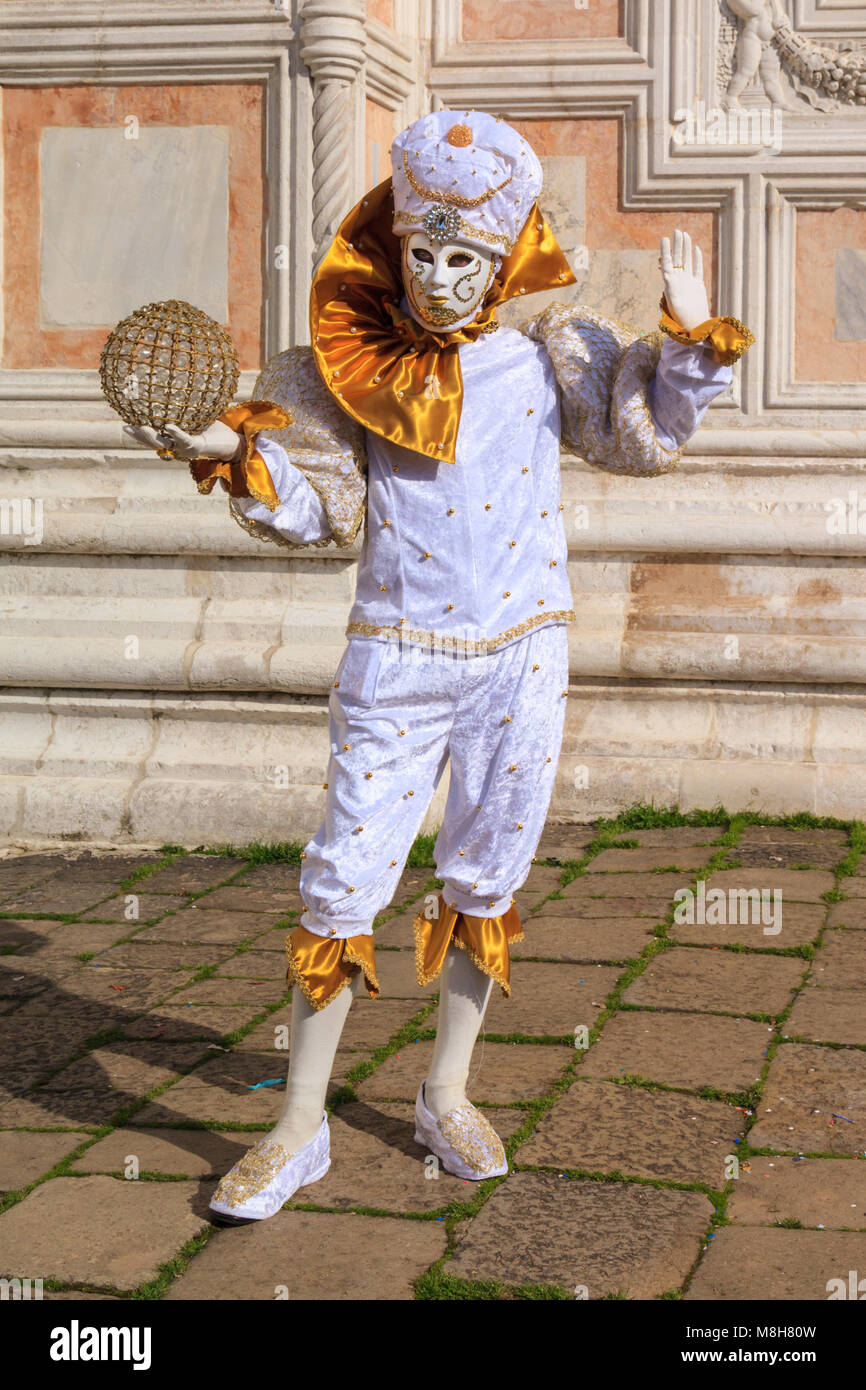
x=268, y=1175
x=463, y=1140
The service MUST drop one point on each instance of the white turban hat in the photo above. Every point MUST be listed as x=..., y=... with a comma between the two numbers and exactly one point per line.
x=464, y=175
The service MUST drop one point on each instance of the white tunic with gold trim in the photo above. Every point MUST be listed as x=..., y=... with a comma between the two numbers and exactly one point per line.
x=473, y=555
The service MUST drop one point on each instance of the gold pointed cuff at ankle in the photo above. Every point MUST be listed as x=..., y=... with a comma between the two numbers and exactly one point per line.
x=484, y=939
x=321, y=966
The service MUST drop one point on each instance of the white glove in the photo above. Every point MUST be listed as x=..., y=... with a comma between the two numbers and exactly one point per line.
x=685, y=291
x=217, y=441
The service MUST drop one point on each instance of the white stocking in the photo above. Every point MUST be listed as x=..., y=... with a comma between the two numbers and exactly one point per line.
x=314, y=1040
x=462, y=1001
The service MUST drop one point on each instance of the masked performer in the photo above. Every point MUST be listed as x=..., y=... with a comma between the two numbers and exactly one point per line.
x=414, y=406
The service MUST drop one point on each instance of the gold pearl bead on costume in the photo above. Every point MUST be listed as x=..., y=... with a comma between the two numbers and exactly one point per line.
x=402, y=732
x=450, y=511
x=524, y=470
x=346, y=747
x=508, y=719
x=507, y=594
x=333, y=931
x=535, y=667
x=368, y=774
x=461, y=852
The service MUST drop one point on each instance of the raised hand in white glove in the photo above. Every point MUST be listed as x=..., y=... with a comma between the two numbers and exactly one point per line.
x=217, y=441
x=683, y=274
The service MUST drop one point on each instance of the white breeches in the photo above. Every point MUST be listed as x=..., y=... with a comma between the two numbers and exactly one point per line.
x=397, y=714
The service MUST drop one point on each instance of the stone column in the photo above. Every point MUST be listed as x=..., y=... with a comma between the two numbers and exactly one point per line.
x=333, y=34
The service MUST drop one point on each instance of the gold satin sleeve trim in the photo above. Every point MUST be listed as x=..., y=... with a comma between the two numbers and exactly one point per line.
x=728, y=336
x=484, y=939
x=321, y=966
x=247, y=476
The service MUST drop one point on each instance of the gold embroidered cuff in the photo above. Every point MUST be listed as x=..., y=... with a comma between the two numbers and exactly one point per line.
x=247, y=476
x=323, y=965
x=484, y=939
x=728, y=336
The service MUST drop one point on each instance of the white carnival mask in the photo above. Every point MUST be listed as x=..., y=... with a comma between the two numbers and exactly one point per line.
x=445, y=282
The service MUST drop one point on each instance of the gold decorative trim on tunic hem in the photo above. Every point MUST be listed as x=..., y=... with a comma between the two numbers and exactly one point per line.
x=444, y=641
x=323, y=971
x=465, y=931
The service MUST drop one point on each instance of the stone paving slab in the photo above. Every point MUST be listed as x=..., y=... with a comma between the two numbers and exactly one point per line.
x=276, y=877
x=795, y=885
x=314, y=1256
x=500, y=1073
x=651, y=910
x=689, y=1051
x=55, y=898
x=240, y=898
x=827, y=1192
x=218, y=1091
x=848, y=914
x=717, y=981
x=234, y=990
x=855, y=887
x=601, y=1127
x=159, y=955
x=179, y=1021
x=253, y=965
x=540, y=1228
x=371, y=1024
x=773, y=1265
x=675, y=836
x=561, y=842
x=375, y=1161
x=121, y=990
x=25, y=1156
x=194, y=873
x=583, y=938
x=97, y=1230
x=89, y=1091
x=800, y=922
x=547, y=1000
x=19, y=872
x=192, y=1153
x=829, y=1015
x=221, y=928
x=654, y=889
x=398, y=977
x=145, y=907
x=60, y=940
x=645, y=860
x=805, y=1087
x=840, y=963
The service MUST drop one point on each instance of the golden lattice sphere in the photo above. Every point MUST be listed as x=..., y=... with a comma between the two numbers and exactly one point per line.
x=169, y=363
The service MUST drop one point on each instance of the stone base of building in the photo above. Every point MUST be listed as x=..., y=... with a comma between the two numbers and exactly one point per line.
x=109, y=767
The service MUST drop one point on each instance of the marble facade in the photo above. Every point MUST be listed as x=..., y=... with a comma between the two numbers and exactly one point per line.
x=163, y=678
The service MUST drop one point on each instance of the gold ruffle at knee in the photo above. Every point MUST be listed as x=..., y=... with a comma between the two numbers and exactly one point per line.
x=323, y=965
x=484, y=939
